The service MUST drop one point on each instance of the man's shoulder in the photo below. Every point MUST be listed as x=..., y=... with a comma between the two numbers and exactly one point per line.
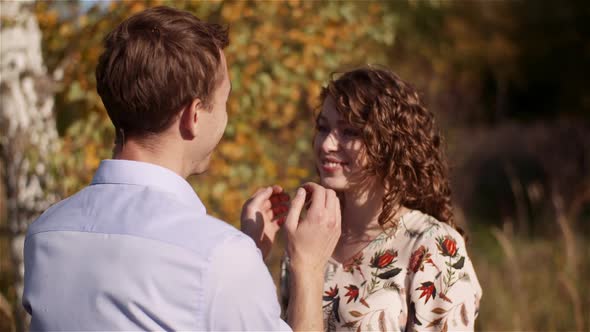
x=56, y=214
x=216, y=231
x=139, y=212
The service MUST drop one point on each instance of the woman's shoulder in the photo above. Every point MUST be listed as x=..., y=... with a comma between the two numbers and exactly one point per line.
x=444, y=288
x=424, y=227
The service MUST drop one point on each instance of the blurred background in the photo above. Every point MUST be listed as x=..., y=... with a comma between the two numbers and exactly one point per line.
x=507, y=81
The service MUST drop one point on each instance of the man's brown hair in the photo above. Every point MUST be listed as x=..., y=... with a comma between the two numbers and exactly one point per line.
x=155, y=63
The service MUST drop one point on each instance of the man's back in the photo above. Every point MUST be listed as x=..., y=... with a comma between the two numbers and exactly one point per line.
x=136, y=250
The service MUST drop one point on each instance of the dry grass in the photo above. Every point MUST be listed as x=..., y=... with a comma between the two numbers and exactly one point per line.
x=530, y=285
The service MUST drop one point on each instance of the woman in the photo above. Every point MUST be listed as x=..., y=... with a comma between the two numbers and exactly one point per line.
x=400, y=263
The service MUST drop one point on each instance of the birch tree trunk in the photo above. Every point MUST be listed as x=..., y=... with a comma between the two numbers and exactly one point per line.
x=28, y=133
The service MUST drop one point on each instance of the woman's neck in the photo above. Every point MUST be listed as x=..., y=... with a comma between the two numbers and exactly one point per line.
x=360, y=221
x=360, y=212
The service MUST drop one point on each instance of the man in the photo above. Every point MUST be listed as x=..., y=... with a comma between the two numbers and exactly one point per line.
x=136, y=250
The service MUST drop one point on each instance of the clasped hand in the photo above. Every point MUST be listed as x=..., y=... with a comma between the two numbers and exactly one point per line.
x=311, y=221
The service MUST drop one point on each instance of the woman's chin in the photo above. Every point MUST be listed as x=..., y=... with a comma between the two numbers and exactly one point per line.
x=334, y=184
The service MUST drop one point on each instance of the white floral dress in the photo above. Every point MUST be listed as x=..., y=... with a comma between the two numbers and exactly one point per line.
x=416, y=278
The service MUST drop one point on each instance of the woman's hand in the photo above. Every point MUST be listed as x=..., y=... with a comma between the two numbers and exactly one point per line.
x=262, y=216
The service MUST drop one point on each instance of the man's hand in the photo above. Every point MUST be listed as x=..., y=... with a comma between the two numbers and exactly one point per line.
x=311, y=239
x=310, y=242
x=262, y=216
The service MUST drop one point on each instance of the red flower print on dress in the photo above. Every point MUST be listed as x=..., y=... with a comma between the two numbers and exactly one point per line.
x=383, y=259
x=419, y=257
x=428, y=290
x=354, y=263
x=447, y=246
x=353, y=293
x=331, y=293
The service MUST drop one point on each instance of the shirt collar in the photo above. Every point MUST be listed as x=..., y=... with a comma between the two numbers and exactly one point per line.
x=150, y=175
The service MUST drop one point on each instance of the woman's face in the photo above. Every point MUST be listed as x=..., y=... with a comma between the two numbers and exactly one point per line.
x=338, y=149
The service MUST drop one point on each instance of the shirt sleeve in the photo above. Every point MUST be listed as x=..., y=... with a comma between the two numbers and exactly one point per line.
x=444, y=291
x=241, y=295
x=284, y=286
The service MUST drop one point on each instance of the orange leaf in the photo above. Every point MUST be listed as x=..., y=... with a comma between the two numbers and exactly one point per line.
x=435, y=322
x=364, y=303
x=439, y=311
x=464, y=317
x=382, y=321
x=355, y=313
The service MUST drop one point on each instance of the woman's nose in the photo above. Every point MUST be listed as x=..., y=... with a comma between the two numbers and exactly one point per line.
x=330, y=142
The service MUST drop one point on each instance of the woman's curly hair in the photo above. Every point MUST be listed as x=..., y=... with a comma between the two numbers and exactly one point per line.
x=402, y=143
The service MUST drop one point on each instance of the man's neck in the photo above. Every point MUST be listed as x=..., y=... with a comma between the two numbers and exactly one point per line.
x=157, y=153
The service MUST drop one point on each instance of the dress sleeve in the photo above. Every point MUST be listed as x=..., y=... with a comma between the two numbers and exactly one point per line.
x=241, y=295
x=444, y=290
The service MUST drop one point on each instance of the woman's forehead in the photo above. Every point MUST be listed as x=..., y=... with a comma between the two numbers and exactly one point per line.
x=329, y=111
x=331, y=115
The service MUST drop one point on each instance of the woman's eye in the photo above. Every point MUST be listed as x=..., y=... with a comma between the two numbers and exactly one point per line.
x=350, y=132
x=321, y=128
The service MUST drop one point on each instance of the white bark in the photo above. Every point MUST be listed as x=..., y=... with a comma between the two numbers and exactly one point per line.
x=28, y=133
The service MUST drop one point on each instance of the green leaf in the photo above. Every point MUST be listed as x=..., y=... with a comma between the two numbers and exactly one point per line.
x=460, y=263
x=392, y=286
x=389, y=274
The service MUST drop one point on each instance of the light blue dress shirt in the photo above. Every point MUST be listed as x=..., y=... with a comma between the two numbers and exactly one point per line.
x=136, y=250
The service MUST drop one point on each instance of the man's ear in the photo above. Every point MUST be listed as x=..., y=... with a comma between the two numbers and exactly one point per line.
x=189, y=119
